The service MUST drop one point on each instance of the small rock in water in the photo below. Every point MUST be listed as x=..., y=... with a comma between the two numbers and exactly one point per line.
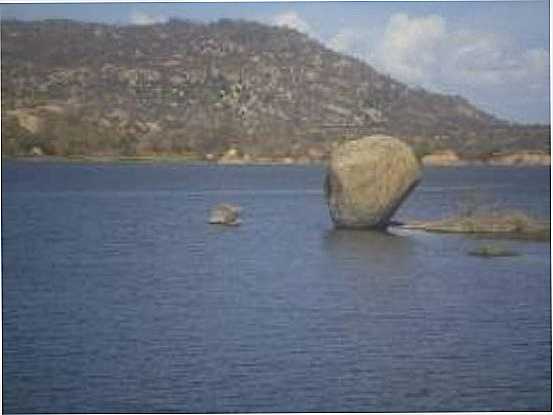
x=225, y=214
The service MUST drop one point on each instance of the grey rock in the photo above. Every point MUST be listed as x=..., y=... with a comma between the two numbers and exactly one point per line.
x=225, y=214
x=36, y=151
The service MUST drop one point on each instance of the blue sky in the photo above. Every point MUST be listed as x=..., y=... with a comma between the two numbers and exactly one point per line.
x=496, y=54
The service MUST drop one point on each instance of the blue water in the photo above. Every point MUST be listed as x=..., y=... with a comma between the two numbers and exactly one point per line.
x=119, y=297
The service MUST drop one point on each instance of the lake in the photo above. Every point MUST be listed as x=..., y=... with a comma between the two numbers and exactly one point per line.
x=118, y=296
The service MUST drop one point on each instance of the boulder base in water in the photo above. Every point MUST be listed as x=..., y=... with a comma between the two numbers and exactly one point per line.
x=368, y=179
x=225, y=214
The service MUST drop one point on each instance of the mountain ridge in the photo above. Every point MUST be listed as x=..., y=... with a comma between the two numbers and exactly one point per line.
x=183, y=87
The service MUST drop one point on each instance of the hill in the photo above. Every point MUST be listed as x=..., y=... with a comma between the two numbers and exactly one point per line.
x=185, y=88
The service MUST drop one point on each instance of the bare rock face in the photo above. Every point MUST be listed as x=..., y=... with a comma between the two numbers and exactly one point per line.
x=368, y=179
x=225, y=214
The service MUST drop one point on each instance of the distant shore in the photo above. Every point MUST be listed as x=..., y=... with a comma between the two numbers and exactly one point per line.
x=515, y=158
x=159, y=159
x=439, y=159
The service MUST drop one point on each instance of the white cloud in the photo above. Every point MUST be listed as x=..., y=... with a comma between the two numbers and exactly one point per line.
x=486, y=59
x=344, y=40
x=353, y=42
x=410, y=47
x=423, y=51
x=138, y=17
x=292, y=20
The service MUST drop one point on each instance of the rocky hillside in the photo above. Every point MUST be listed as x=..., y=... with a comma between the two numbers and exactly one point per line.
x=185, y=88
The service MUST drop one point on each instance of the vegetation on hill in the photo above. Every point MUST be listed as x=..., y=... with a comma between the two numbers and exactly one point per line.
x=71, y=88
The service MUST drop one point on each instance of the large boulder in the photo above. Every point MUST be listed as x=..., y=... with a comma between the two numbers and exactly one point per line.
x=368, y=179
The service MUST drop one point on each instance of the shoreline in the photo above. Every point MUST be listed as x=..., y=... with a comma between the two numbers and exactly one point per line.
x=156, y=159
x=500, y=158
x=250, y=162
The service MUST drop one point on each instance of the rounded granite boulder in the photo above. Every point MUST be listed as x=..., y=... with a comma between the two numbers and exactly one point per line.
x=368, y=179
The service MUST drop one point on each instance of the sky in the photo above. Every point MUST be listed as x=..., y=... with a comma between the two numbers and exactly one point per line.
x=494, y=53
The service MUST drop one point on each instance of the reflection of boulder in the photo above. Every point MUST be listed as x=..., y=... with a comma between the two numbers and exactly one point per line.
x=225, y=214
x=388, y=256
x=367, y=180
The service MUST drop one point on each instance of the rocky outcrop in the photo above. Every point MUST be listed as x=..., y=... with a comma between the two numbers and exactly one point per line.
x=511, y=224
x=27, y=119
x=368, y=179
x=225, y=214
x=234, y=156
x=442, y=158
x=521, y=158
x=517, y=158
x=36, y=152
